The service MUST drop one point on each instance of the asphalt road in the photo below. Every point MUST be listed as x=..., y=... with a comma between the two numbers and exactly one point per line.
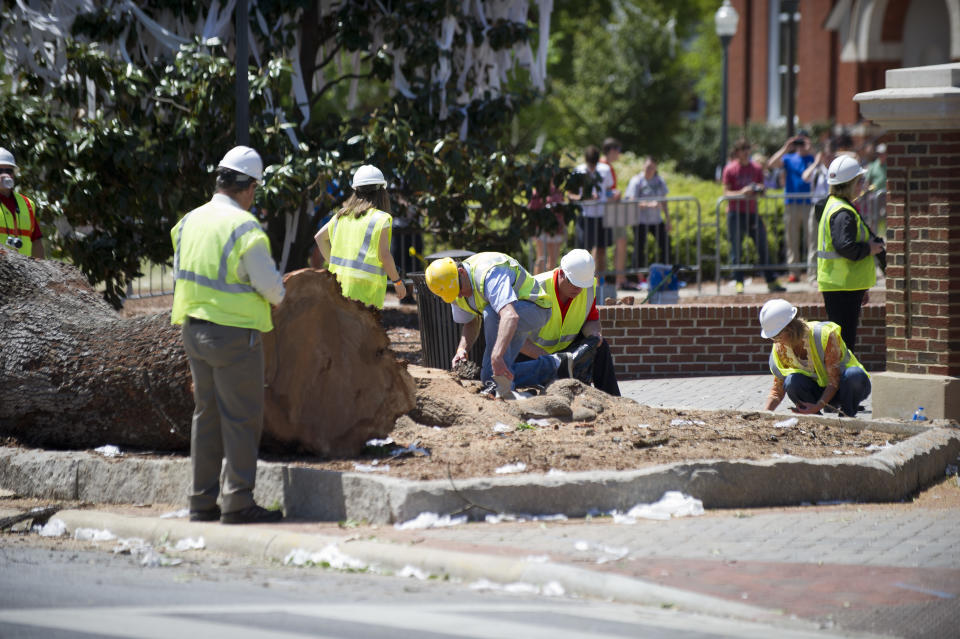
x=57, y=589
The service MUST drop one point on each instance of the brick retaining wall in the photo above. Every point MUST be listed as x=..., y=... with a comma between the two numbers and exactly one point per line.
x=673, y=340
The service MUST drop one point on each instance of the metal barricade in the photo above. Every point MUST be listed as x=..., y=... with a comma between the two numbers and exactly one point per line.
x=157, y=280
x=649, y=240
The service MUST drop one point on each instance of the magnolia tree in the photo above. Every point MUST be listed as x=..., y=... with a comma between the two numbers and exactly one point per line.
x=119, y=111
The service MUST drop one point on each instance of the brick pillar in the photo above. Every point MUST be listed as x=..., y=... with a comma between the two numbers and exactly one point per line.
x=920, y=108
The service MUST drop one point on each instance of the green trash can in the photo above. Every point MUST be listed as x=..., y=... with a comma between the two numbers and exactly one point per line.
x=439, y=334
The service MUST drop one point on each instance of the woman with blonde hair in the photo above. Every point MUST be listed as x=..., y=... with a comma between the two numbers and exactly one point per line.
x=356, y=241
x=810, y=363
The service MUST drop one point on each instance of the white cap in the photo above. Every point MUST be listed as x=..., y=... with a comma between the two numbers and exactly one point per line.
x=774, y=316
x=6, y=158
x=368, y=175
x=243, y=159
x=578, y=267
x=881, y=148
x=843, y=169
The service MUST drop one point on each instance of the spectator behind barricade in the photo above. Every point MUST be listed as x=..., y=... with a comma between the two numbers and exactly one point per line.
x=771, y=178
x=816, y=176
x=794, y=156
x=877, y=169
x=654, y=216
x=592, y=235
x=611, y=153
x=743, y=180
x=548, y=242
x=843, y=145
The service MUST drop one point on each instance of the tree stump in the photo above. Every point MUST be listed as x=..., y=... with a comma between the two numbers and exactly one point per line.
x=77, y=375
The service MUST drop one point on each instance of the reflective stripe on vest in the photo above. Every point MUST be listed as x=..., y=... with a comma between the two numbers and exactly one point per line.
x=358, y=262
x=479, y=265
x=817, y=354
x=219, y=284
x=544, y=339
x=22, y=220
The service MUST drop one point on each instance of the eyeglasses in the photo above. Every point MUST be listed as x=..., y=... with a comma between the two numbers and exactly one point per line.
x=4, y=170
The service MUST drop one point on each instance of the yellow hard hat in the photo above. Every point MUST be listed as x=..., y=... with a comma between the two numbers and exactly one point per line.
x=443, y=279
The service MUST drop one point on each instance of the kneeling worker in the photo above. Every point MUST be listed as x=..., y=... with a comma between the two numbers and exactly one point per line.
x=810, y=363
x=574, y=326
x=494, y=289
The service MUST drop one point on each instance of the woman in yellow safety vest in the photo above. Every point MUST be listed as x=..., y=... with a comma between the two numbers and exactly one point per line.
x=810, y=363
x=356, y=241
x=845, y=250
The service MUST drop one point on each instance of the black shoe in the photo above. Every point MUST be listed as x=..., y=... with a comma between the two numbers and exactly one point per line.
x=581, y=359
x=565, y=369
x=210, y=514
x=489, y=389
x=252, y=515
x=829, y=409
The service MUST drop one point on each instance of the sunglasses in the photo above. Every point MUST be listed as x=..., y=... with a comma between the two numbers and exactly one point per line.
x=6, y=171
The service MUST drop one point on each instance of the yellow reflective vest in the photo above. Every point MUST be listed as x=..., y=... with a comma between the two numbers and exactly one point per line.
x=561, y=329
x=355, y=255
x=207, y=246
x=819, y=335
x=19, y=223
x=835, y=272
x=525, y=285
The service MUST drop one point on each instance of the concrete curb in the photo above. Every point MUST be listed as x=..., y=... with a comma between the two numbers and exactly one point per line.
x=889, y=475
x=271, y=543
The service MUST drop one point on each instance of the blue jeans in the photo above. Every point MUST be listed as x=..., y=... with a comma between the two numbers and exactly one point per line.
x=741, y=225
x=532, y=319
x=854, y=388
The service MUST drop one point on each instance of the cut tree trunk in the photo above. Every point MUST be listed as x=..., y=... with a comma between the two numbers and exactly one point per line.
x=77, y=375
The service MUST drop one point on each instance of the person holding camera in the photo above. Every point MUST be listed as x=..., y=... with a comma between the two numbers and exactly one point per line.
x=18, y=219
x=794, y=156
x=743, y=180
x=845, y=250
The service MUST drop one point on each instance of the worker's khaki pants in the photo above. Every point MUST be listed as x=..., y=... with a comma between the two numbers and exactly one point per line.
x=227, y=367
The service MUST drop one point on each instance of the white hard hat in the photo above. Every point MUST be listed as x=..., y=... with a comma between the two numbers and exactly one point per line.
x=774, y=316
x=578, y=266
x=368, y=175
x=244, y=160
x=6, y=158
x=843, y=169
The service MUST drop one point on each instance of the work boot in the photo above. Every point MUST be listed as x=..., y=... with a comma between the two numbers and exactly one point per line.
x=489, y=389
x=252, y=515
x=581, y=359
x=739, y=288
x=775, y=287
x=210, y=514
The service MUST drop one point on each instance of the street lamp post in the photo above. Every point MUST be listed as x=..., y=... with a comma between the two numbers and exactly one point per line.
x=726, y=19
x=788, y=10
x=242, y=82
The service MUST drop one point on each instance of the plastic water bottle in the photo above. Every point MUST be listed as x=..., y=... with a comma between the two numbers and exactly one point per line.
x=918, y=415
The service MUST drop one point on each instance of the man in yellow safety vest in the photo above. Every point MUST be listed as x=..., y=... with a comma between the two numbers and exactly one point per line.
x=225, y=282
x=574, y=324
x=18, y=214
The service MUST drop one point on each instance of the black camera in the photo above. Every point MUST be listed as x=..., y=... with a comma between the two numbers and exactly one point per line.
x=15, y=242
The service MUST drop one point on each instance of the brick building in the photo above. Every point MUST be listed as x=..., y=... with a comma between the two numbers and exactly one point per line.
x=843, y=47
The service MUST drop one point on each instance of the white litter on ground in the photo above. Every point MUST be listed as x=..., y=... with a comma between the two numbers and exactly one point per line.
x=879, y=446
x=506, y=469
x=549, y=589
x=329, y=557
x=189, y=543
x=607, y=553
x=501, y=517
x=500, y=427
x=366, y=468
x=787, y=423
x=672, y=504
x=149, y=557
x=53, y=528
x=130, y=545
x=92, y=534
x=687, y=422
x=539, y=422
x=413, y=571
x=553, y=472
x=108, y=451
x=176, y=514
x=643, y=425
x=430, y=520
x=374, y=443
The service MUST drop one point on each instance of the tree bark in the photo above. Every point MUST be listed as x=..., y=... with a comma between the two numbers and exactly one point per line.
x=77, y=375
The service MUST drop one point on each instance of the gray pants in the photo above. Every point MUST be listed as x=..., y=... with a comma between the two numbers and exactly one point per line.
x=227, y=367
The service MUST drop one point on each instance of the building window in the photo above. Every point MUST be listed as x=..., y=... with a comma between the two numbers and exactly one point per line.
x=777, y=58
